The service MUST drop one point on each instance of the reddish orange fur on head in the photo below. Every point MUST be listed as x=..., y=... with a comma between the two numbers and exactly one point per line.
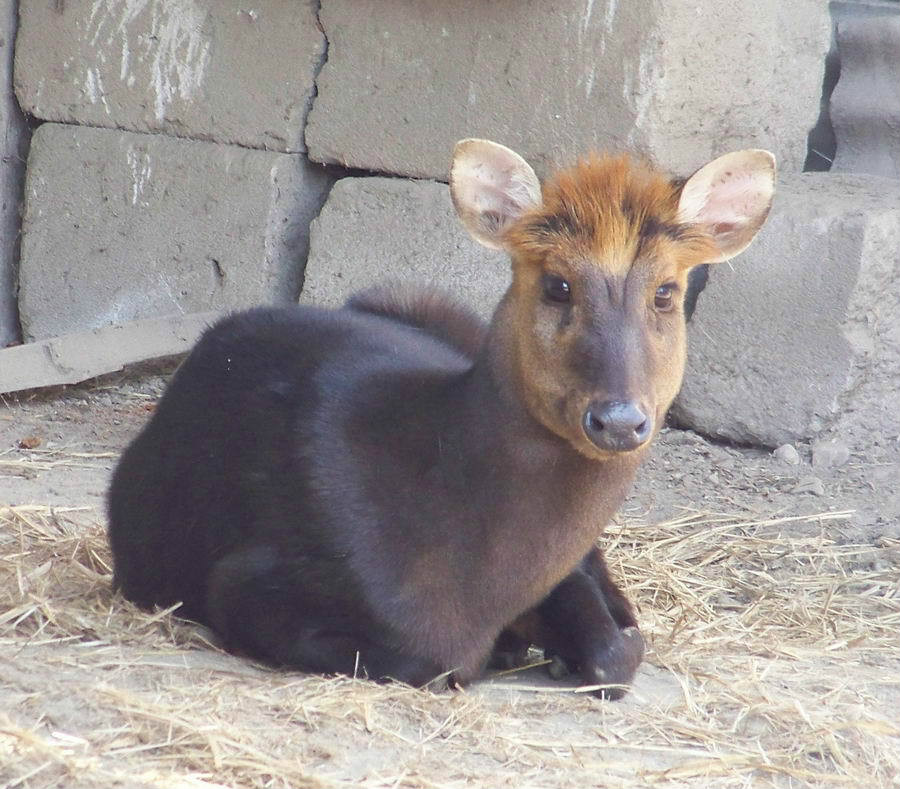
x=591, y=331
x=604, y=210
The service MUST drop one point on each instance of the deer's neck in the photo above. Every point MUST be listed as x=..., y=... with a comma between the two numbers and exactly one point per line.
x=538, y=493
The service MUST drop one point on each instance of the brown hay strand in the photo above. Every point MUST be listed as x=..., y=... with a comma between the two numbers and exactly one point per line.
x=773, y=662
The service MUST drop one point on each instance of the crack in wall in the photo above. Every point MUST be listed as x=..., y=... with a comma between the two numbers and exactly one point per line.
x=323, y=59
x=16, y=132
x=821, y=143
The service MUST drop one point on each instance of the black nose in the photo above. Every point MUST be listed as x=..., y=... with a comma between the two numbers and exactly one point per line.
x=617, y=426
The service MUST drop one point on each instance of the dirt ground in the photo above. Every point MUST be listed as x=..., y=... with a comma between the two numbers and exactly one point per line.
x=769, y=594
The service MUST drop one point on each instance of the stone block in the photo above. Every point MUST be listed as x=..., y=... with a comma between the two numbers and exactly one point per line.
x=383, y=230
x=682, y=81
x=13, y=148
x=121, y=226
x=784, y=337
x=865, y=104
x=227, y=71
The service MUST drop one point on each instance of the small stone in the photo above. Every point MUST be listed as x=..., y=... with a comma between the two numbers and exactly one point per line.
x=810, y=485
x=788, y=453
x=727, y=601
x=753, y=725
x=830, y=453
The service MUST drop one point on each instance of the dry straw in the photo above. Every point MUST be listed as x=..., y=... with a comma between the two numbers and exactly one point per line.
x=774, y=661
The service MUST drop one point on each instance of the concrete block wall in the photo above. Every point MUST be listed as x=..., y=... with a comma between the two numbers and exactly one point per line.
x=679, y=80
x=169, y=173
x=142, y=225
x=226, y=71
x=182, y=159
x=376, y=230
x=785, y=334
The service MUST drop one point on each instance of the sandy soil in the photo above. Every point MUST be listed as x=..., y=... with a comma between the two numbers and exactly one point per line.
x=93, y=692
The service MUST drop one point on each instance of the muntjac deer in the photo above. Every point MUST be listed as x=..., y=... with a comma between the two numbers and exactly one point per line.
x=397, y=490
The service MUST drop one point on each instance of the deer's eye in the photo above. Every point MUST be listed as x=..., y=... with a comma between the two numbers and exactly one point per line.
x=664, y=298
x=556, y=289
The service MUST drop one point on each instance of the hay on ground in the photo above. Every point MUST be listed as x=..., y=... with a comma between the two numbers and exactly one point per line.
x=774, y=661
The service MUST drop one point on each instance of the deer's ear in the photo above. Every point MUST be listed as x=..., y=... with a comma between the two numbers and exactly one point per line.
x=491, y=187
x=730, y=198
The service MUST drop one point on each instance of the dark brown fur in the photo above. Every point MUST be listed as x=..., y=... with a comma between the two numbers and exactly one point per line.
x=392, y=488
x=431, y=310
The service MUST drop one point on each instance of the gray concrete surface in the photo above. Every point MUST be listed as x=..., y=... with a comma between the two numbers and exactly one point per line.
x=805, y=322
x=120, y=226
x=13, y=149
x=378, y=230
x=865, y=104
x=76, y=357
x=682, y=80
x=227, y=71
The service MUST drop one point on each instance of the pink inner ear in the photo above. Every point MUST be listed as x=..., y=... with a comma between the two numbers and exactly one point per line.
x=499, y=198
x=491, y=186
x=734, y=199
x=730, y=197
